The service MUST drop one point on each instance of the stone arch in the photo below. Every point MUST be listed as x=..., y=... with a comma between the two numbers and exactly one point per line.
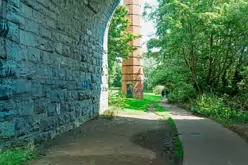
x=52, y=66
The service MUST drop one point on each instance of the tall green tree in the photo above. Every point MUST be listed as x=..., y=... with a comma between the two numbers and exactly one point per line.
x=203, y=42
x=119, y=39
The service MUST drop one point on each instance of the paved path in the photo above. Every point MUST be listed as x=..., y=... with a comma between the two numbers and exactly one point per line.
x=206, y=142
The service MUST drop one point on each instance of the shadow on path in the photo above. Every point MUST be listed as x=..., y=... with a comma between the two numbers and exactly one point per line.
x=129, y=140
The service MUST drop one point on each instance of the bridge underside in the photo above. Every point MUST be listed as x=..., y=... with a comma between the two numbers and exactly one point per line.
x=53, y=65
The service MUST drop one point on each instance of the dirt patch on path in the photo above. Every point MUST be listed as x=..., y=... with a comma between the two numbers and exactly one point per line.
x=125, y=140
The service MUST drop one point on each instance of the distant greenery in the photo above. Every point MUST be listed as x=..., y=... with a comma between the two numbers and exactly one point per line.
x=19, y=156
x=202, y=45
x=201, y=54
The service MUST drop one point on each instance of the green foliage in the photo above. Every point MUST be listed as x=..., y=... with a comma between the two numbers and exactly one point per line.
x=201, y=48
x=179, y=145
x=239, y=102
x=159, y=108
x=243, y=85
x=158, y=89
x=182, y=93
x=119, y=43
x=115, y=75
x=215, y=107
x=119, y=38
x=149, y=69
x=19, y=156
x=117, y=99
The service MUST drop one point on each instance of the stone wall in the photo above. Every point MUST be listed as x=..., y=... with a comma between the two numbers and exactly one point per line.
x=53, y=66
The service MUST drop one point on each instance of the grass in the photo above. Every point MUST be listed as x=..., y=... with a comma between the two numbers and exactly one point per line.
x=159, y=108
x=165, y=116
x=142, y=105
x=18, y=156
x=179, y=145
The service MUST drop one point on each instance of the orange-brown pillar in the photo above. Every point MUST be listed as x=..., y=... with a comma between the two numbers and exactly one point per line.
x=132, y=69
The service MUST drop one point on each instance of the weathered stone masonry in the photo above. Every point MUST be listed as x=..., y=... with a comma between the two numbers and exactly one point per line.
x=53, y=66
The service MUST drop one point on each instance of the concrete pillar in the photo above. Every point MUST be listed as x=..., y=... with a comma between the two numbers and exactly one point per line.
x=132, y=69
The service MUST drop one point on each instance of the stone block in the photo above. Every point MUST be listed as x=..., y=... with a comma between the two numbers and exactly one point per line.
x=26, y=108
x=26, y=11
x=23, y=86
x=7, y=69
x=32, y=26
x=13, y=17
x=26, y=70
x=51, y=110
x=34, y=55
x=29, y=39
x=66, y=50
x=59, y=48
x=3, y=53
x=6, y=92
x=50, y=22
x=46, y=58
x=44, y=32
x=38, y=17
x=16, y=52
x=16, y=3
x=7, y=129
x=8, y=115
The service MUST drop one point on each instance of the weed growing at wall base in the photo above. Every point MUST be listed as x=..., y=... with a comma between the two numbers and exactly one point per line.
x=19, y=156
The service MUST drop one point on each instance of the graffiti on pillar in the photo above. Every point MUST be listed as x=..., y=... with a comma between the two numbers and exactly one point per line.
x=4, y=28
x=129, y=90
x=139, y=88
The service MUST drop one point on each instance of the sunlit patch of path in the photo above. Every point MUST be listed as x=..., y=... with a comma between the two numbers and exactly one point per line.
x=206, y=142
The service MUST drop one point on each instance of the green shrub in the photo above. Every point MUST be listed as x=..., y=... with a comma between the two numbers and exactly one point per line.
x=239, y=102
x=215, y=107
x=19, y=156
x=182, y=93
x=116, y=98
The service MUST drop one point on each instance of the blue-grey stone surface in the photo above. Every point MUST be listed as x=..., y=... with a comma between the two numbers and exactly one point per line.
x=53, y=66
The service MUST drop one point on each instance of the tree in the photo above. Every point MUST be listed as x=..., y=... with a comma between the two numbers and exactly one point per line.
x=119, y=39
x=206, y=41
